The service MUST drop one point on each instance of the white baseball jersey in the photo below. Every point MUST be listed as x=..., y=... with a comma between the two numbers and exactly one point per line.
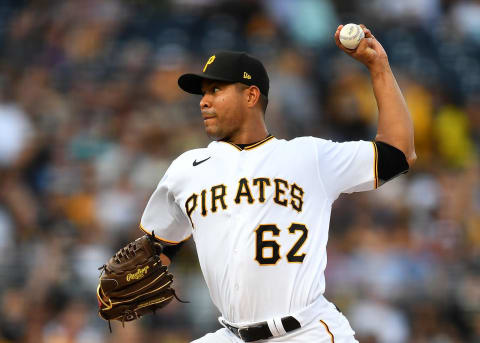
x=259, y=217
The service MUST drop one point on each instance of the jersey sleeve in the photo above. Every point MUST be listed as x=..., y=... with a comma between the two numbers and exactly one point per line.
x=164, y=216
x=346, y=167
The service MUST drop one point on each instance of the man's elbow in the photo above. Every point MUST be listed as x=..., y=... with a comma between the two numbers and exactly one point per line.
x=411, y=158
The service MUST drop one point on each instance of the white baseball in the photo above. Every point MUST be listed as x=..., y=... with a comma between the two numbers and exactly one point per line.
x=351, y=35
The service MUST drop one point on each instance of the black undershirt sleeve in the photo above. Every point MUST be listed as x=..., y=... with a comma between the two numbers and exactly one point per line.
x=391, y=162
x=171, y=250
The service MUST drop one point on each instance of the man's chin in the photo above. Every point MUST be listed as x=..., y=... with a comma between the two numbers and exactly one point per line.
x=213, y=134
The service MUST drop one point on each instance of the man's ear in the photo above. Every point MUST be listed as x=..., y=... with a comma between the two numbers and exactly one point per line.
x=253, y=96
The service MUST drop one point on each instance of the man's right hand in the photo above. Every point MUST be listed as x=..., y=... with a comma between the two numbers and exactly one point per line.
x=369, y=52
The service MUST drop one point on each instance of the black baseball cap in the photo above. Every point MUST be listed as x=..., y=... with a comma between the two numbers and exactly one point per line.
x=228, y=66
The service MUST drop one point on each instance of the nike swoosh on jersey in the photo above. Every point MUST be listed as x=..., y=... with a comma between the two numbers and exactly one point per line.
x=195, y=163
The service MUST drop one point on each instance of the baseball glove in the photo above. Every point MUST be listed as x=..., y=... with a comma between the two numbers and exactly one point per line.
x=134, y=282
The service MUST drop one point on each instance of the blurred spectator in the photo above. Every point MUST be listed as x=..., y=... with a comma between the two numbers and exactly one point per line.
x=453, y=141
x=70, y=326
x=308, y=21
x=424, y=12
x=16, y=132
x=465, y=16
x=383, y=322
x=12, y=323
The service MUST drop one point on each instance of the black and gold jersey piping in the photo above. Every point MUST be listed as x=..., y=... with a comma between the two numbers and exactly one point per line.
x=250, y=146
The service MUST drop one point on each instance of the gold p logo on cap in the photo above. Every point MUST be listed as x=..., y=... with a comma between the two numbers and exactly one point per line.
x=210, y=61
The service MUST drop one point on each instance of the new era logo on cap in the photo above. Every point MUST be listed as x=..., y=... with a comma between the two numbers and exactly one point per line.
x=228, y=66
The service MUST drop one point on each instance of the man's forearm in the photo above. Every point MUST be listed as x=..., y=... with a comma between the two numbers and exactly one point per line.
x=395, y=125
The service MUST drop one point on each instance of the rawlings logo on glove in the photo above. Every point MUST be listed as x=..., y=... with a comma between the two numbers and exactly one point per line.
x=138, y=275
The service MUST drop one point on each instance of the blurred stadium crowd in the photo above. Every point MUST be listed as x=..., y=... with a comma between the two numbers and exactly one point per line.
x=91, y=116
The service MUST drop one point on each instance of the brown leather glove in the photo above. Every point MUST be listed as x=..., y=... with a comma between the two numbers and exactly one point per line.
x=134, y=282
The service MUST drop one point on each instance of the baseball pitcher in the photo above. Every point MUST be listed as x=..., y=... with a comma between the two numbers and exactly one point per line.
x=258, y=207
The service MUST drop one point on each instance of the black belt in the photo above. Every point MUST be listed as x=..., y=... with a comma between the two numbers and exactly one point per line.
x=261, y=330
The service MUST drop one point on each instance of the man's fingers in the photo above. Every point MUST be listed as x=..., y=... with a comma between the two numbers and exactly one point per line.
x=337, y=33
x=367, y=32
x=367, y=52
x=367, y=42
x=337, y=37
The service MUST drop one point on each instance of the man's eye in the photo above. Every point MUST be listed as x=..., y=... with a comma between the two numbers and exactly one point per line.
x=216, y=89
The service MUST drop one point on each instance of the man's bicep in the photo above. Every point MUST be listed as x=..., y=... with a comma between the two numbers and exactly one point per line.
x=347, y=167
x=164, y=217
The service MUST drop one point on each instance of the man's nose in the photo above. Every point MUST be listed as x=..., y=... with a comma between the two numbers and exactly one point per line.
x=205, y=101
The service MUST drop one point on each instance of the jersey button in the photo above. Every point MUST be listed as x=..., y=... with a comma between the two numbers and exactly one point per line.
x=237, y=287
